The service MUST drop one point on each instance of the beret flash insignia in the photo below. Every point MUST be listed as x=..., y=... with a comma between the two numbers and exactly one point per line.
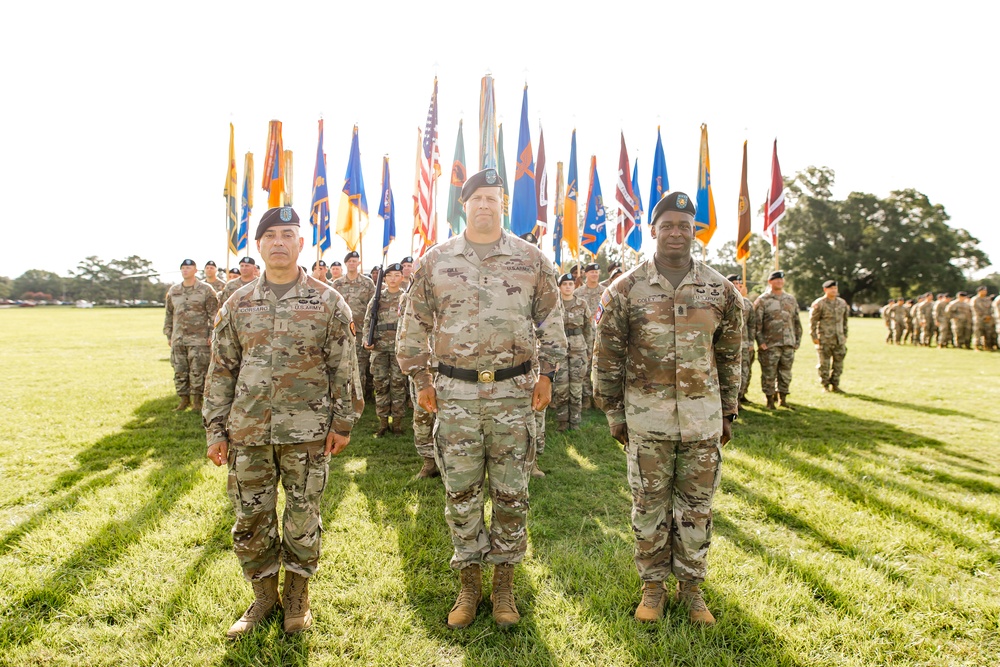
x=491, y=177
x=682, y=202
x=285, y=214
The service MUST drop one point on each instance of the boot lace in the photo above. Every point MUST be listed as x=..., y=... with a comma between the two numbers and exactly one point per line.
x=652, y=594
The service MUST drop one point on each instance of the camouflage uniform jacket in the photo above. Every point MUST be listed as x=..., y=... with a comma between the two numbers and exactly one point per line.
x=749, y=324
x=960, y=311
x=578, y=315
x=231, y=287
x=190, y=312
x=388, y=314
x=357, y=293
x=828, y=320
x=996, y=309
x=980, y=308
x=925, y=312
x=481, y=315
x=592, y=295
x=283, y=371
x=941, y=312
x=668, y=361
x=777, y=320
x=217, y=285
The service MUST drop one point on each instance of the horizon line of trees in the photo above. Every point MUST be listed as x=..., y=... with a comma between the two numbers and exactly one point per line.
x=93, y=279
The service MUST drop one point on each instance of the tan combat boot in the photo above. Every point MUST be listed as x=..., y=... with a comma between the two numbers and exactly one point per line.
x=650, y=608
x=397, y=426
x=562, y=427
x=689, y=594
x=265, y=601
x=770, y=401
x=295, y=598
x=429, y=469
x=383, y=427
x=783, y=401
x=504, y=611
x=196, y=402
x=463, y=613
x=183, y=405
x=536, y=471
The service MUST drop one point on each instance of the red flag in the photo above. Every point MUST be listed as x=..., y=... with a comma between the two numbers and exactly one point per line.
x=625, y=198
x=541, y=190
x=429, y=159
x=775, y=207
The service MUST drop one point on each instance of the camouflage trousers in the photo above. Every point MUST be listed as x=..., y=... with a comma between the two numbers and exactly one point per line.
x=831, y=362
x=746, y=370
x=190, y=364
x=364, y=361
x=486, y=442
x=961, y=334
x=254, y=474
x=588, y=385
x=423, y=426
x=944, y=333
x=390, y=385
x=567, y=389
x=539, y=432
x=776, y=369
x=672, y=483
x=983, y=334
x=927, y=332
x=898, y=328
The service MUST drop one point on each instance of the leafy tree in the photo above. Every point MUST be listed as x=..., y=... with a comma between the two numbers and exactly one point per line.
x=5, y=287
x=37, y=280
x=759, y=264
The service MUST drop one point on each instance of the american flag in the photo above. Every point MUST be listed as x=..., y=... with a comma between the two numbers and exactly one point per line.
x=430, y=169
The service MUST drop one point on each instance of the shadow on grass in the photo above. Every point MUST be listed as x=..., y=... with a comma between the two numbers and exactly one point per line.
x=173, y=442
x=927, y=409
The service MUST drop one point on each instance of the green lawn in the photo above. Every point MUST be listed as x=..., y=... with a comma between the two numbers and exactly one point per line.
x=861, y=529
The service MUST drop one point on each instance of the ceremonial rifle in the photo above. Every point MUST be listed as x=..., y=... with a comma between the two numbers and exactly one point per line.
x=373, y=324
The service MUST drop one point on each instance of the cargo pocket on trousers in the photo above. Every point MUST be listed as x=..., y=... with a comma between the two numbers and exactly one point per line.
x=317, y=473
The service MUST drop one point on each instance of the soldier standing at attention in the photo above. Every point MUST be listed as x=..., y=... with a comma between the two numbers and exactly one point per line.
x=390, y=383
x=897, y=320
x=667, y=374
x=191, y=308
x=590, y=292
x=319, y=271
x=960, y=314
x=248, y=274
x=747, y=354
x=925, y=319
x=283, y=396
x=212, y=276
x=778, y=335
x=488, y=303
x=357, y=290
x=828, y=330
x=982, y=319
x=941, y=320
x=423, y=420
x=568, y=392
x=996, y=321
x=407, y=264
x=886, y=312
x=336, y=271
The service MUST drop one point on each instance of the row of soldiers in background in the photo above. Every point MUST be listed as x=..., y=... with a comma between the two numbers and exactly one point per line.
x=961, y=322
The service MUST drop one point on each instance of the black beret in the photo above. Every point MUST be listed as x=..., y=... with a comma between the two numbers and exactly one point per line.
x=829, y=283
x=941, y=294
x=566, y=277
x=593, y=266
x=353, y=253
x=487, y=178
x=529, y=237
x=981, y=288
x=776, y=274
x=209, y=263
x=575, y=270
x=398, y=266
x=613, y=265
x=615, y=271
x=675, y=201
x=377, y=267
x=234, y=272
x=732, y=277
x=188, y=262
x=248, y=260
x=276, y=217
x=407, y=260
x=962, y=294
x=335, y=264
x=319, y=262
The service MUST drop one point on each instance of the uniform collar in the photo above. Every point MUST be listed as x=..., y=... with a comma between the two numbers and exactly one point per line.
x=694, y=277
x=464, y=248
x=300, y=289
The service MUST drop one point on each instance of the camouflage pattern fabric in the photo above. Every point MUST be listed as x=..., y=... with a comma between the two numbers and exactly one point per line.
x=423, y=425
x=540, y=432
x=925, y=319
x=190, y=363
x=217, y=285
x=996, y=319
x=187, y=324
x=982, y=322
x=567, y=392
x=673, y=484
x=942, y=322
x=780, y=332
x=667, y=361
x=592, y=296
x=897, y=322
x=960, y=316
x=776, y=369
x=747, y=354
x=828, y=325
x=358, y=293
x=252, y=486
x=283, y=370
x=482, y=439
x=231, y=287
x=390, y=384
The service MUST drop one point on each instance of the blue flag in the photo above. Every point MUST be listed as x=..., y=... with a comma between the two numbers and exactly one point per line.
x=320, y=216
x=634, y=239
x=241, y=237
x=352, y=214
x=524, y=208
x=594, y=227
x=660, y=185
x=387, y=209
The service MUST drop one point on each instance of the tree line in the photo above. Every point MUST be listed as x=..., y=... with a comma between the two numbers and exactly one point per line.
x=93, y=279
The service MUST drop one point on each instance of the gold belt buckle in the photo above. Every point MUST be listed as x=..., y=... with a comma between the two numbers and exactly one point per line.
x=486, y=376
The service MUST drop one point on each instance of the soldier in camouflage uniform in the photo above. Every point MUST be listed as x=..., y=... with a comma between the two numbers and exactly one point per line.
x=357, y=289
x=390, y=383
x=897, y=320
x=925, y=319
x=982, y=320
x=212, y=277
x=828, y=330
x=319, y=271
x=941, y=321
x=778, y=335
x=488, y=303
x=996, y=321
x=283, y=396
x=407, y=263
x=886, y=311
x=590, y=292
x=908, y=322
x=667, y=374
x=336, y=271
x=423, y=420
x=960, y=315
x=191, y=308
x=747, y=354
x=248, y=274
x=568, y=389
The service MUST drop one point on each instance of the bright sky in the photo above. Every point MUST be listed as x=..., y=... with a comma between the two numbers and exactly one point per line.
x=117, y=114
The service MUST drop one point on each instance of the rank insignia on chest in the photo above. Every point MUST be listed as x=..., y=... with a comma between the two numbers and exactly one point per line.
x=682, y=310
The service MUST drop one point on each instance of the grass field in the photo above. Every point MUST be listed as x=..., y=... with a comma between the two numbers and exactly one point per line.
x=861, y=529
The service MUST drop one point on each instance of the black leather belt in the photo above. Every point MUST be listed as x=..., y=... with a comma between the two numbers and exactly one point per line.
x=484, y=376
x=385, y=327
x=575, y=331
